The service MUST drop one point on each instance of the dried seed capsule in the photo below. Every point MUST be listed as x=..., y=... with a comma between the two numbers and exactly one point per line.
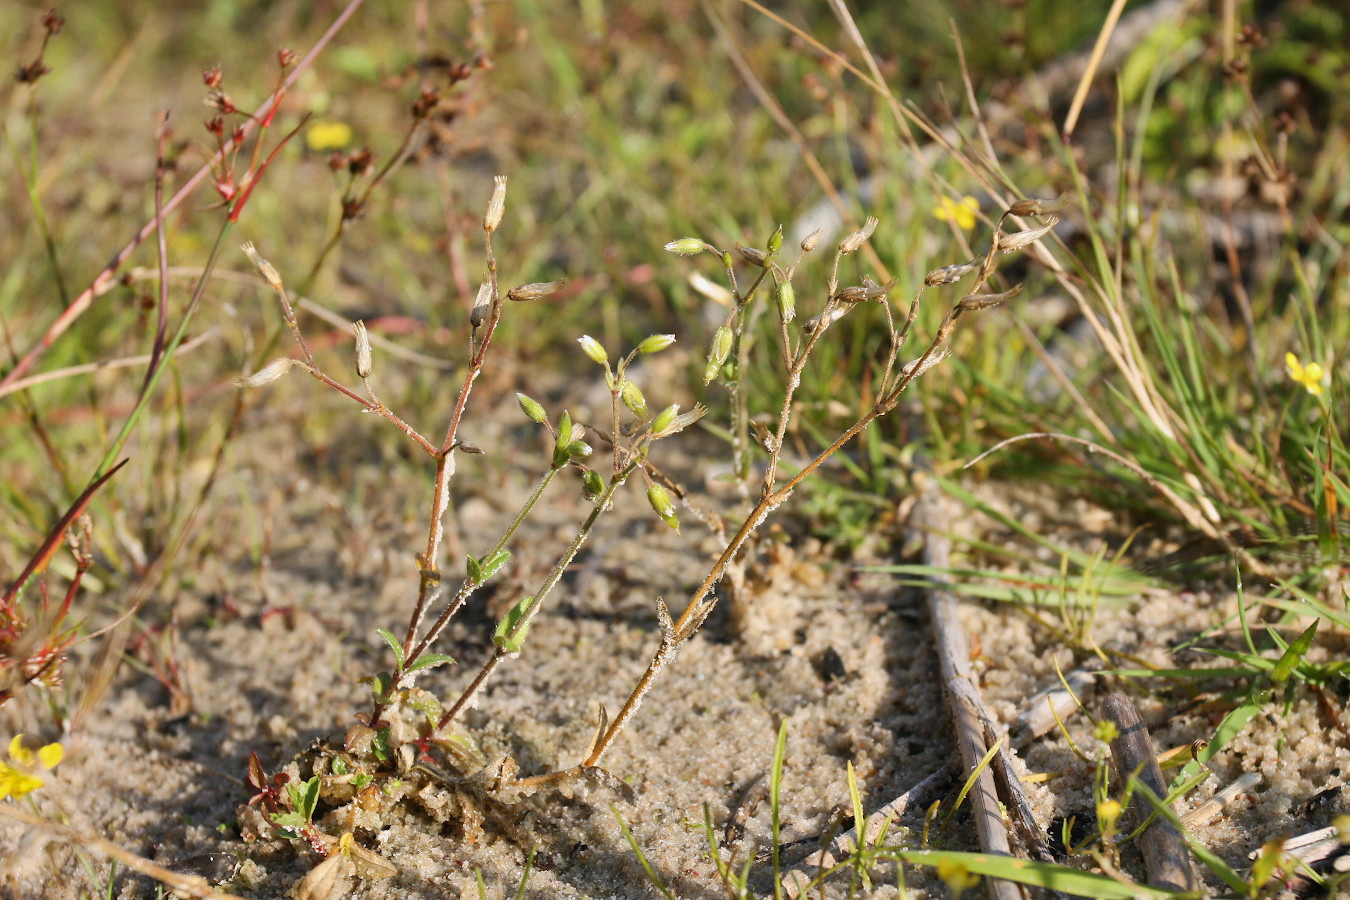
x=809, y=242
x=496, y=206
x=751, y=255
x=528, y=292
x=362, y=350
x=266, y=271
x=1035, y=207
x=481, y=304
x=268, y=373
x=855, y=240
x=1007, y=243
x=948, y=274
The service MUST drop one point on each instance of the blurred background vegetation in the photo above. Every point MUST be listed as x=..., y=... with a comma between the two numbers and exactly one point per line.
x=623, y=126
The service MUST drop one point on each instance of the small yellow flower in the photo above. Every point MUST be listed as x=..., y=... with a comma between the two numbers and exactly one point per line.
x=18, y=777
x=957, y=877
x=1310, y=376
x=963, y=213
x=328, y=134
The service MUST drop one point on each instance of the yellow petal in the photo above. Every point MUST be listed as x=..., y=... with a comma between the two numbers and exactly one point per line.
x=50, y=755
x=18, y=752
x=328, y=135
x=14, y=783
x=1295, y=367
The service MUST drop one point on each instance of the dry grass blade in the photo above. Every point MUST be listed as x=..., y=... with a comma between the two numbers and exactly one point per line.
x=187, y=885
x=1166, y=858
x=796, y=879
x=964, y=702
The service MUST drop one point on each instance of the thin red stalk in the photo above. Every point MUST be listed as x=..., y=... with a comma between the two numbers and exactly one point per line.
x=86, y=298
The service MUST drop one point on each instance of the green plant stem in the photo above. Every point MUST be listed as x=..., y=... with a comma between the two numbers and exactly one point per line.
x=698, y=607
x=469, y=586
x=428, y=568
x=602, y=503
x=158, y=369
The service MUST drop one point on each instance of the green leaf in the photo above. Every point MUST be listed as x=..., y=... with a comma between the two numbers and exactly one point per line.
x=380, y=685
x=474, y=570
x=380, y=745
x=513, y=627
x=290, y=823
x=494, y=562
x=304, y=800
x=394, y=645
x=1293, y=654
x=430, y=660
x=1023, y=871
x=311, y=797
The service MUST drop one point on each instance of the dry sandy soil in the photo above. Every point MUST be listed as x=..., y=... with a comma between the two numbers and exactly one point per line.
x=272, y=644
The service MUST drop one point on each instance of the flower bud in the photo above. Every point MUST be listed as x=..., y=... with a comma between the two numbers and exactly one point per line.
x=496, y=206
x=809, y=242
x=591, y=347
x=855, y=240
x=632, y=397
x=656, y=343
x=787, y=300
x=688, y=246
x=362, y=350
x=660, y=501
x=592, y=485
x=717, y=354
x=532, y=408
x=776, y=240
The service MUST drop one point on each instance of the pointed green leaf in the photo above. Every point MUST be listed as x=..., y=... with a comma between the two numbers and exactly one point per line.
x=393, y=645
x=513, y=627
x=1293, y=654
x=430, y=660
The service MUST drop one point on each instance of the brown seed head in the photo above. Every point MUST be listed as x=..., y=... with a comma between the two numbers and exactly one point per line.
x=496, y=206
x=855, y=240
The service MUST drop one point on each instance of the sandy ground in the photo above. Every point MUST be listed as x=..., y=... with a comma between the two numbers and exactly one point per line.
x=274, y=633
